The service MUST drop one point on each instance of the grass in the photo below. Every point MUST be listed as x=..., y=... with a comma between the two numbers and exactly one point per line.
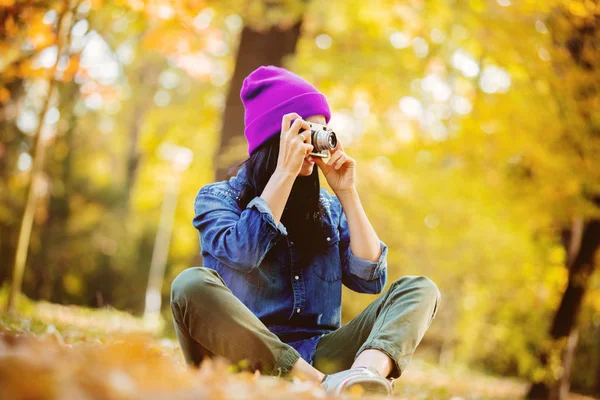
x=52, y=351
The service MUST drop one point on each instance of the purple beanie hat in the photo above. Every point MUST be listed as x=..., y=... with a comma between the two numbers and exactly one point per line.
x=270, y=92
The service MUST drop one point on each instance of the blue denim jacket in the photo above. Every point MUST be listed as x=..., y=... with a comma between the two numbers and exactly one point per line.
x=259, y=264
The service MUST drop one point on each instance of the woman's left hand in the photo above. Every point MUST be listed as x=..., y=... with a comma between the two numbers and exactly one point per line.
x=339, y=170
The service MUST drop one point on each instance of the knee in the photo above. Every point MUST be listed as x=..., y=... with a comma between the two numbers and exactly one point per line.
x=189, y=284
x=426, y=288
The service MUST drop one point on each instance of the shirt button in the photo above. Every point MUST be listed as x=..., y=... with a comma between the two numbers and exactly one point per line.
x=328, y=239
x=298, y=310
x=296, y=277
x=291, y=243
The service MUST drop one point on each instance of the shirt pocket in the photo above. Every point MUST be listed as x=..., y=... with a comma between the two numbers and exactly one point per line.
x=327, y=265
x=264, y=275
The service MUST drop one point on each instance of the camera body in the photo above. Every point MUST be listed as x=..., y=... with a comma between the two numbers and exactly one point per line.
x=322, y=138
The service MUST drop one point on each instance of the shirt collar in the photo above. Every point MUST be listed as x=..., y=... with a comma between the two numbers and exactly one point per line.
x=237, y=181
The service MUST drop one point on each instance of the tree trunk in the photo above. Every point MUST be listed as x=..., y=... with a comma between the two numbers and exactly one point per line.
x=54, y=233
x=564, y=383
x=597, y=389
x=11, y=138
x=65, y=22
x=145, y=79
x=255, y=49
x=565, y=319
x=580, y=44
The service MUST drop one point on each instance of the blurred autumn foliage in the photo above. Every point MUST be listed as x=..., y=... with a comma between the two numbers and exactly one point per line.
x=124, y=367
x=55, y=352
x=474, y=124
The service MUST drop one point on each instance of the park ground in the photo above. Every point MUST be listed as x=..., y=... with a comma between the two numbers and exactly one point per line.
x=50, y=351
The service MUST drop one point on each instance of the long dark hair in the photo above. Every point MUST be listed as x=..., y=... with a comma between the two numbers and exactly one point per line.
x=303, y=212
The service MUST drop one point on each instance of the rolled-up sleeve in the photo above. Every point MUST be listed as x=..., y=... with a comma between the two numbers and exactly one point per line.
x=237, y=238
x=359, y=274
x=367, y=269
x=261, y=205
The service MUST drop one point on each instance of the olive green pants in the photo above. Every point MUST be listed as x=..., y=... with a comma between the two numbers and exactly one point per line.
x=209, y=320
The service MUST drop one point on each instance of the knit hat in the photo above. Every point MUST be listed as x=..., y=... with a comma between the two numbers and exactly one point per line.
x=270, y=92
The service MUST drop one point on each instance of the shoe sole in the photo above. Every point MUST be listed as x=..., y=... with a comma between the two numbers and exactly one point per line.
x=369, y=385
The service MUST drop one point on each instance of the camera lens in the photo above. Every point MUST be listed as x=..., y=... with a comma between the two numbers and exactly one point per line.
x=322, y=139
x=332, y=140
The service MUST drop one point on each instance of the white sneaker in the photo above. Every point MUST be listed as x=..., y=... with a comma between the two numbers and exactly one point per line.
x=368, y=379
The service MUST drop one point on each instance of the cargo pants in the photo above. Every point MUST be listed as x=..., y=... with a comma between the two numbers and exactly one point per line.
x=210, y=320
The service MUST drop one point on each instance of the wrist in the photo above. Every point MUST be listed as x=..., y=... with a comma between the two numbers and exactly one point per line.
x=351, y=192
x=282, y=175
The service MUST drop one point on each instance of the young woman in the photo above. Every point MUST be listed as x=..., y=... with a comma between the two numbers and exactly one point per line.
x=277, y=249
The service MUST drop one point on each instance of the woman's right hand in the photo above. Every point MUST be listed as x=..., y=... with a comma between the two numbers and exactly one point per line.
x=293, y=146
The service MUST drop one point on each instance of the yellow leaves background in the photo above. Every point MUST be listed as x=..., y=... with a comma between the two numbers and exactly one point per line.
x=472, y=125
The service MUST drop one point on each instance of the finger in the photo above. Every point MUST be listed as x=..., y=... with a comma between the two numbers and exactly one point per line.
x=334, y=157
x=341, y=161
x=302, y=125
x=306, y=136
x=320, y=163
x=295, y=128
x=287, y=120
x=307, y=148
x=289, y=134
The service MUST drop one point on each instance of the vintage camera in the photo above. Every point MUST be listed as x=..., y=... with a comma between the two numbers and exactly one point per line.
x=323, y=139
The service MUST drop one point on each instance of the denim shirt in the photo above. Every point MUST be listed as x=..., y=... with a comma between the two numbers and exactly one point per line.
x=259, y=263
